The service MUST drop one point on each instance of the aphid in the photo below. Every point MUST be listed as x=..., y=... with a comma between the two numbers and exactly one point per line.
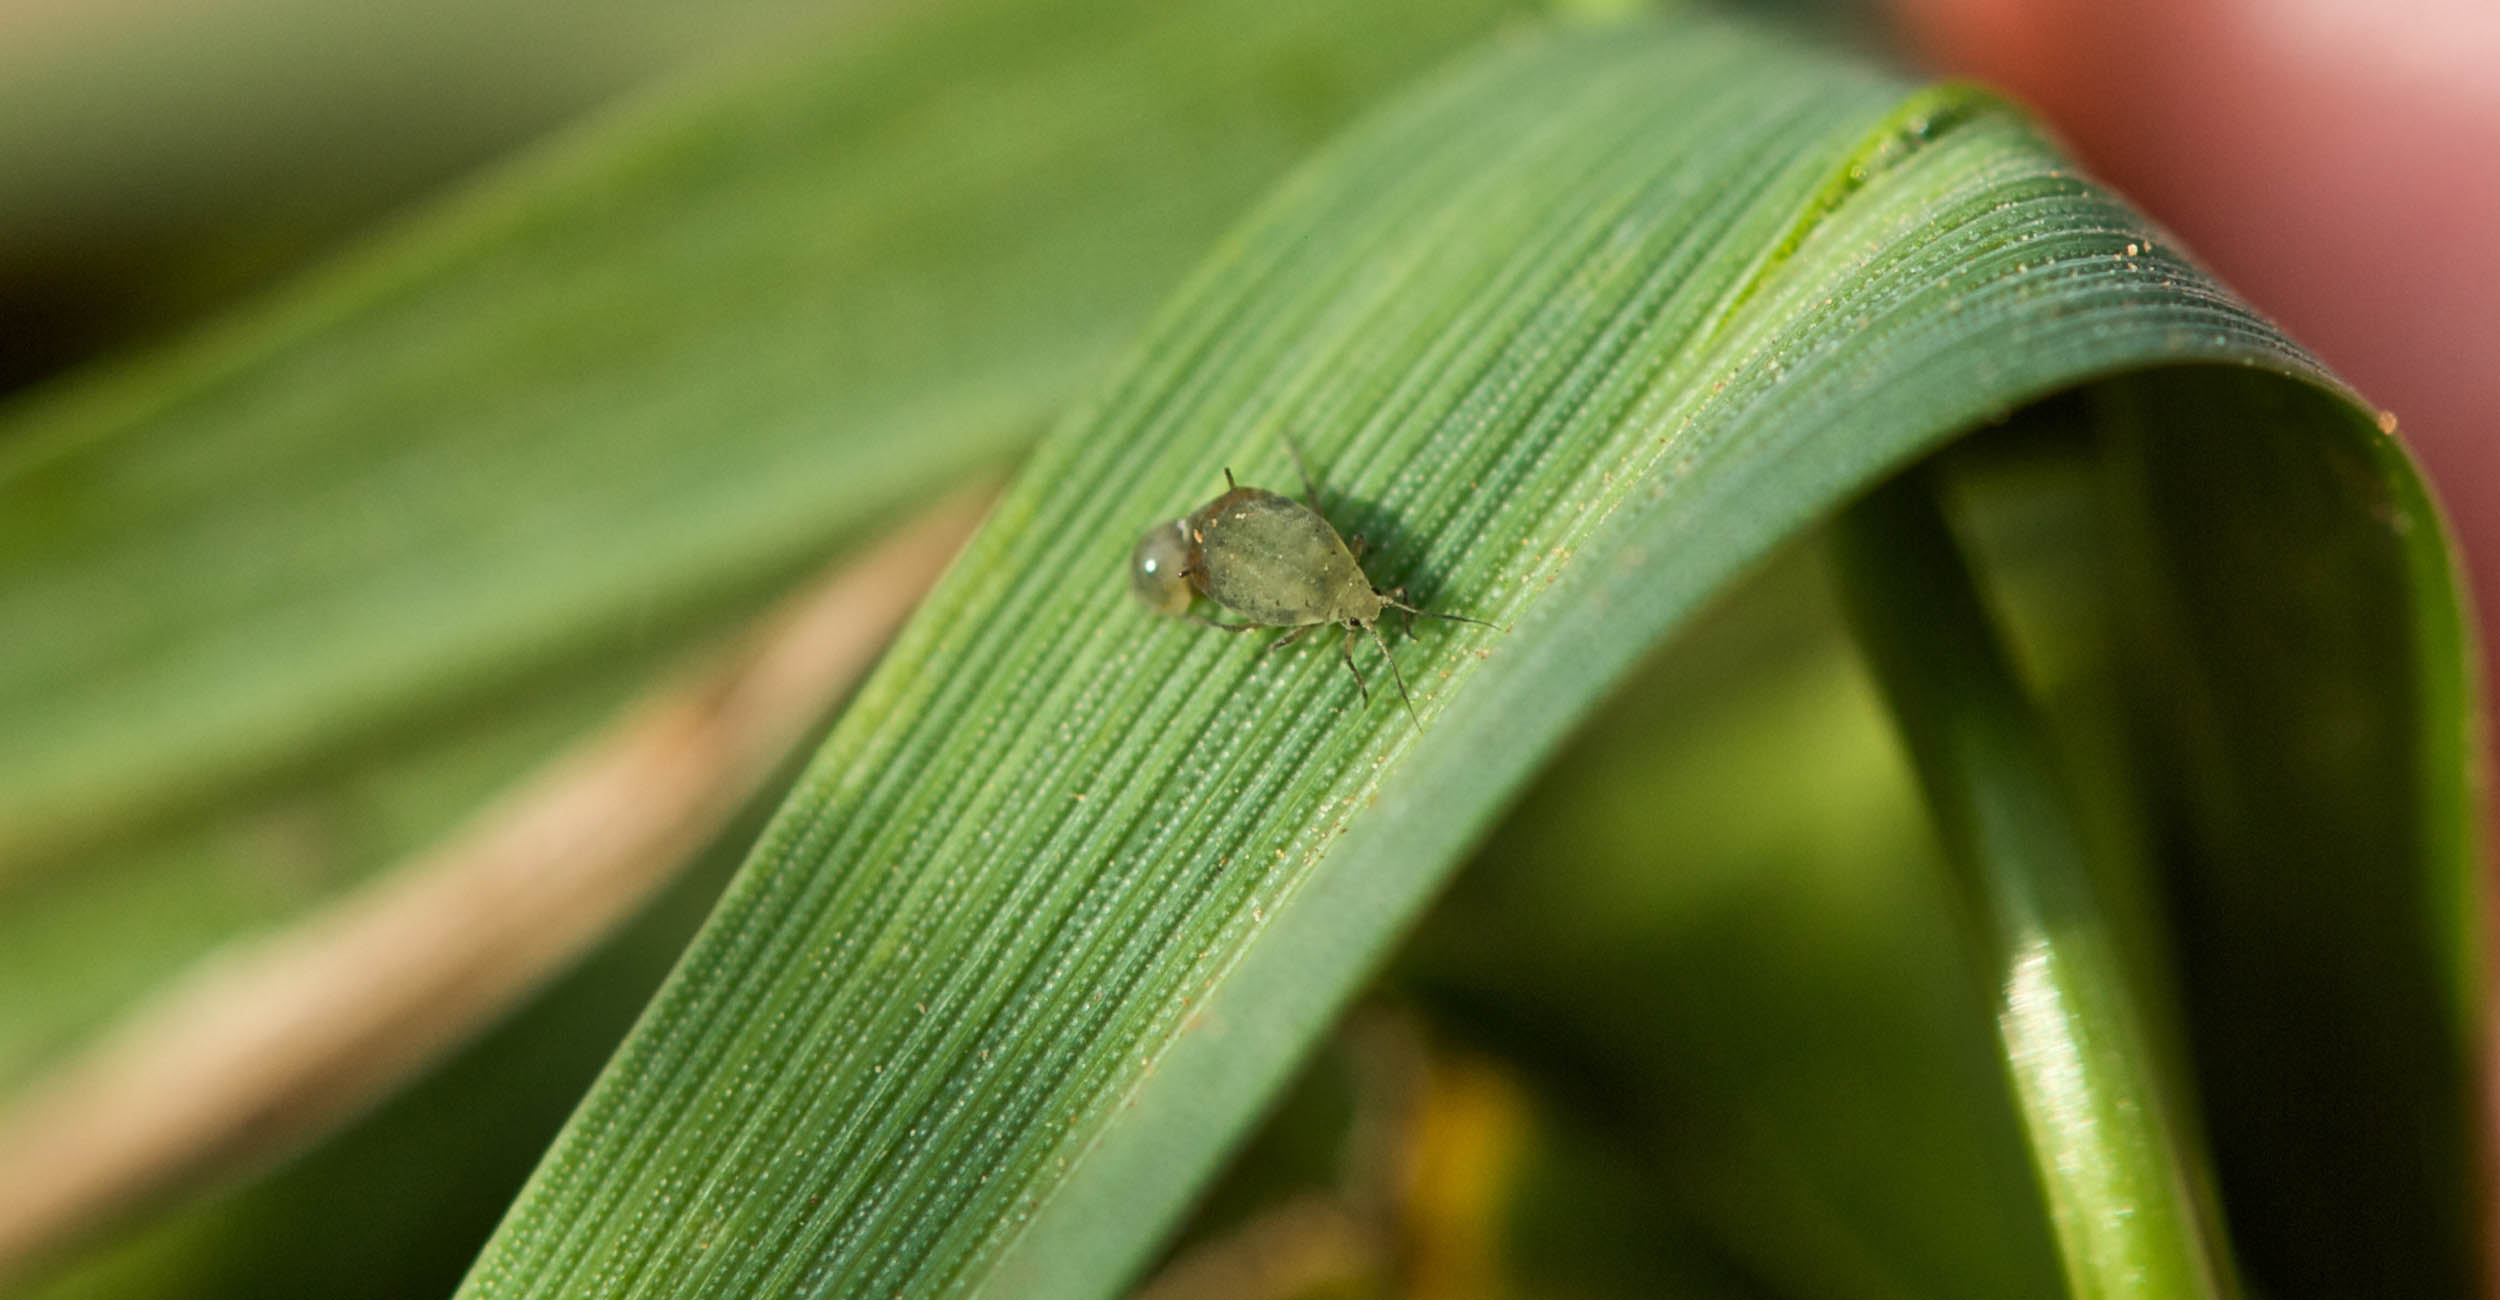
x=1276, y=562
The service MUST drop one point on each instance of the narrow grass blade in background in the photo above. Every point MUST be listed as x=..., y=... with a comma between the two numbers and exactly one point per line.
x=1575, y=335
x=2125, y=1188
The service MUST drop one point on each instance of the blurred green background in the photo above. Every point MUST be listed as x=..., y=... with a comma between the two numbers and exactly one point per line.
x=165, y=156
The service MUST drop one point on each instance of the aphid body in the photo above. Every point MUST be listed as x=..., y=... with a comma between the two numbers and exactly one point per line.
x=1274, y=561
x=1277, y=562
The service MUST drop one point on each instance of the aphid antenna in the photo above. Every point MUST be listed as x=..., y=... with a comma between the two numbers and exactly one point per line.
x=1395, y=603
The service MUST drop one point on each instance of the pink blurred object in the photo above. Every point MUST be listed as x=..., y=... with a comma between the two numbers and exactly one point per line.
x=2338, y=161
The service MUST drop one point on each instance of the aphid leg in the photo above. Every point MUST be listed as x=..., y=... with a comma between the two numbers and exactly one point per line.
x=1310, y=492
x=1229, y=627
x=1396, y=672
x=1346, y=648
x=1289, y=638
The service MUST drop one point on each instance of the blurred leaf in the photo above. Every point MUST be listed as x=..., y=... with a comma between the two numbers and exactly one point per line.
x=78, y=945
x=752, y=321
x=1574, y=335
x=285, y=603
x=282, y=1036
x=164, y=155
x=396, y=1204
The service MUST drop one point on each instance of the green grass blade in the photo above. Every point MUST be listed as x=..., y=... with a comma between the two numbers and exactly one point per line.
x=1574, y=335
x=2120, y=1177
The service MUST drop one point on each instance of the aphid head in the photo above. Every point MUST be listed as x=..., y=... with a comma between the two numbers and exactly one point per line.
x=1357, y=605
x=1155, y=568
